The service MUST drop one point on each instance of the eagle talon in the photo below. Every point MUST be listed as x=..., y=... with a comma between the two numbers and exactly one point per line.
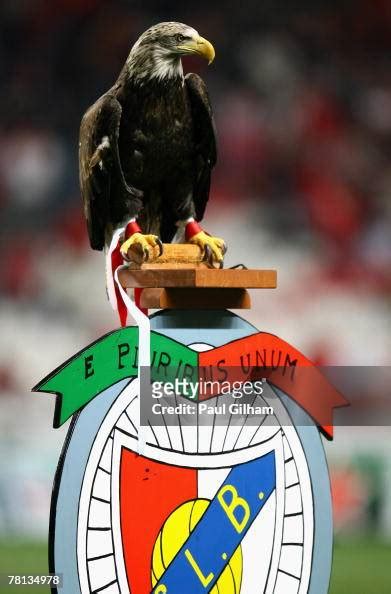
x=160, y=245
x=213, y=248
x=139, y=248
x=208, y=256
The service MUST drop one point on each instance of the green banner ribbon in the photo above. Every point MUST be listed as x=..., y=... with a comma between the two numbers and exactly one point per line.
x=107, y=361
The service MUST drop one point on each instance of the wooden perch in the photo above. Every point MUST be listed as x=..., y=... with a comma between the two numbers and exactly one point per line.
x=199, y=277
x=174, y=253
x=180, y=279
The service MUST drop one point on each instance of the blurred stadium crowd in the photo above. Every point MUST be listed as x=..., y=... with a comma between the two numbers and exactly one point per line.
x=302, y=99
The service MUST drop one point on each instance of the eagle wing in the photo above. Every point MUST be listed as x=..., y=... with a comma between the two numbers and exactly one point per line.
x=205, y=140
x=99, y=164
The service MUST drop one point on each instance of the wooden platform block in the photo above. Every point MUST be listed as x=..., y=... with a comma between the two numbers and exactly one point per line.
x=180, y=279
x=198, y=278
x=174, y=254
x=195, y=298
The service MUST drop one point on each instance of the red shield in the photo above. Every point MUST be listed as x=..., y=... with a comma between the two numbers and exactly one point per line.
x=149, y=492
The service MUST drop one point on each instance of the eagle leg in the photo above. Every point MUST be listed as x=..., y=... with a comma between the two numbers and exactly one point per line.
x=140, y=248
x=213, y=248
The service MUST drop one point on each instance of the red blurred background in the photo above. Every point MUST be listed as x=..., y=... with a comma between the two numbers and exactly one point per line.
x=302, y=99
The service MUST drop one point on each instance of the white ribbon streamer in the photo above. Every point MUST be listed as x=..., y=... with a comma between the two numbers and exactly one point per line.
x=109, y=269
x=144, y=352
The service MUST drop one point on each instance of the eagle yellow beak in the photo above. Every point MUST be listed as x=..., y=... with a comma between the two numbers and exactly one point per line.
x=199, y=46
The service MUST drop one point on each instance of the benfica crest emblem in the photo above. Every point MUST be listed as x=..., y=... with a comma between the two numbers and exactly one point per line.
x=238, y=507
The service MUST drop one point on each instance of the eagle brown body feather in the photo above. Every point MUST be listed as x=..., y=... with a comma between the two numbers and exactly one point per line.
x=156, y=162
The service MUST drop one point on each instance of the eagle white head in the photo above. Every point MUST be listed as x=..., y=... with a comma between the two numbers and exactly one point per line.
x=157, y=52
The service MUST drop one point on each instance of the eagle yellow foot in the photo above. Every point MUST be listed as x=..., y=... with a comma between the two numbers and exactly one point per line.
x=140, y=248
x=213, y=248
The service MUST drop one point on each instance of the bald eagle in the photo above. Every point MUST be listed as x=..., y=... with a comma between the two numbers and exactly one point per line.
x=148, y=145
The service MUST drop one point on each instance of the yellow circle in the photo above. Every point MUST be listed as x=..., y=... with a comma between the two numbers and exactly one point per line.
x=174, y=533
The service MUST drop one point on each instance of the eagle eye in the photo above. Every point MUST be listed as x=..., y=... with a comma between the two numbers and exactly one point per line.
x=180, y=38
